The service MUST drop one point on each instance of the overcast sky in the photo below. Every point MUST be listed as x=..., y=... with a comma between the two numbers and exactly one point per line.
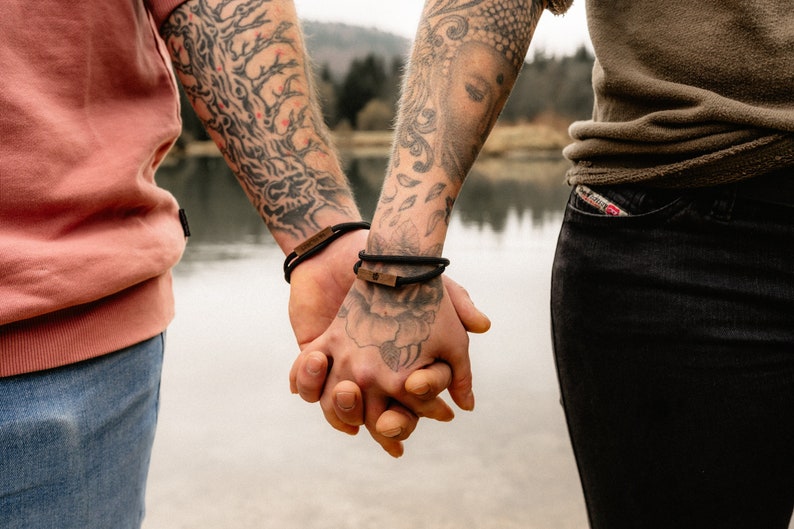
x=555, y=35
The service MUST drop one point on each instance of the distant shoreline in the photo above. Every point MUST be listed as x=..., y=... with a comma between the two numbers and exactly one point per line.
x=505, y=140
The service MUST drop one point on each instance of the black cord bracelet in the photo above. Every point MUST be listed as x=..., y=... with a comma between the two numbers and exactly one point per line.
x=317, y=242
x=391, y=280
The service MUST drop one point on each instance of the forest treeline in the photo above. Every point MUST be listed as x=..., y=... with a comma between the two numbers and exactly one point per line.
x=549, y=89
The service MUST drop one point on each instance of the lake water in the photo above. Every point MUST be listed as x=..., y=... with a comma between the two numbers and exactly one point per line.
x=235, y=449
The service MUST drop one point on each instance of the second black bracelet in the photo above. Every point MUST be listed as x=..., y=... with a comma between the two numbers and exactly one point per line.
x=391, y=280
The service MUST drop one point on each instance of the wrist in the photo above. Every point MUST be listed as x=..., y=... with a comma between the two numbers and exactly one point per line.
x=303, y=225
x=334, y=263
x=398, y=270
x=319, y=242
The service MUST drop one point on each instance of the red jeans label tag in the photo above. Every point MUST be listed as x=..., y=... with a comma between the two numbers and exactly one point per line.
x=599, y=202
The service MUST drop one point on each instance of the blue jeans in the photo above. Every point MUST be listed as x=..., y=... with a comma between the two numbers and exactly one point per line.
x=76, y=442
x=673, y=328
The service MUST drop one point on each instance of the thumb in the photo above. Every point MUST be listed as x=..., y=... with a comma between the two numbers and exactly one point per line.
x=308, y=374
x=472, y=319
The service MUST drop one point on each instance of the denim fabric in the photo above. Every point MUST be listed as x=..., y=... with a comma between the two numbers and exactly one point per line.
x=673, y=334
x=76, y=442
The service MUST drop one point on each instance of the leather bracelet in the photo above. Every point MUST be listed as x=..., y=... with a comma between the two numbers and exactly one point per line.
x=317, y=242
x=394, y=281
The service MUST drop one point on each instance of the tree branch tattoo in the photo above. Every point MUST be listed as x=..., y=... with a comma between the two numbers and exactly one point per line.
x=245, y=75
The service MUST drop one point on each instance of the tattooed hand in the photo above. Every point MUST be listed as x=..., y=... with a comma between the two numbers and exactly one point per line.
x=397, y=321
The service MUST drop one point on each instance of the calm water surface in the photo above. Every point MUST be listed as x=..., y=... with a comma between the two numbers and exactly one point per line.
x=235, y=449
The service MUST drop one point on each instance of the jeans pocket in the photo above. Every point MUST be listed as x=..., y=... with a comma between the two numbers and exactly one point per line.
x=624, y=202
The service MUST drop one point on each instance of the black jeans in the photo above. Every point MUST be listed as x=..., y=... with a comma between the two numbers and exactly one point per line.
x=673, y=331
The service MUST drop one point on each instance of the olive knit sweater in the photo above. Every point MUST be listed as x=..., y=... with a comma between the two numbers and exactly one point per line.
x=687, y=93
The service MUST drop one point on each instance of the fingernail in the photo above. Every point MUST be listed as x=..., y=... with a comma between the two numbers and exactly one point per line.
x=394, y=432
x=346, y=400
x=420, y=390
x=314, y=366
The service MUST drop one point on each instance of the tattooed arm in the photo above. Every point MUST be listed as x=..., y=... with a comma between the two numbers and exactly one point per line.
x=464, y=64
x=465, y=60
x=243, y=67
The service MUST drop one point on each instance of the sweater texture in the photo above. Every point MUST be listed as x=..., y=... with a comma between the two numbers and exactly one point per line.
x=687, y=94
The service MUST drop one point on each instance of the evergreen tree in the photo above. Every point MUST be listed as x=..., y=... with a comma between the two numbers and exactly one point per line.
x=553, y=86
x=364, y=81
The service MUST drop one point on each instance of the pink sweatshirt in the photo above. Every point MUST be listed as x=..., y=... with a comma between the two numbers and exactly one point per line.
x=87, y=239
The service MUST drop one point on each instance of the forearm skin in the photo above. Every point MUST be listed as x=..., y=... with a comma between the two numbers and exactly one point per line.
x=464, y=63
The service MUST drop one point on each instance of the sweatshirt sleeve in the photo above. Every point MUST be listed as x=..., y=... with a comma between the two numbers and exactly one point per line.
x=161, y=9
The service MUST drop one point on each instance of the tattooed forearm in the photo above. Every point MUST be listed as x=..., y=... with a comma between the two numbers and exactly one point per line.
x=242, y=65
x=465, y=61
x=391, y=213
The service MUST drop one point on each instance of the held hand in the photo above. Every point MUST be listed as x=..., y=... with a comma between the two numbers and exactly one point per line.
x=317, y=288
x=308, y=373
x=319, y=285
x=436, y=322
x=308, y=377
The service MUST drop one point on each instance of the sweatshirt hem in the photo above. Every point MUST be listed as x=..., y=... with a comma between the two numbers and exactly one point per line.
x=87, y=331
